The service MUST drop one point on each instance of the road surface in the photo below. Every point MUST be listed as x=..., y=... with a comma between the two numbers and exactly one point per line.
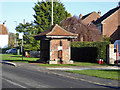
x=21, y=77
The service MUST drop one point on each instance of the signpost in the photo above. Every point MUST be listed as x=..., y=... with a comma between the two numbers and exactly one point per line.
x=21, y=37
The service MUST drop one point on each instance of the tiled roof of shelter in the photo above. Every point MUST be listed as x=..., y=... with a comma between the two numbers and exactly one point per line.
x=56, y=30
x=3, y=29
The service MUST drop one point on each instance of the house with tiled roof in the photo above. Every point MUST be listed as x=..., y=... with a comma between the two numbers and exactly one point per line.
x=109, y=24
x=3, y=36
x=90, y=17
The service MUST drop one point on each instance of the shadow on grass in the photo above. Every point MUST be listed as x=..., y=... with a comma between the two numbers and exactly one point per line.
x=37, y=61
x=16, y=56
x=16, y=60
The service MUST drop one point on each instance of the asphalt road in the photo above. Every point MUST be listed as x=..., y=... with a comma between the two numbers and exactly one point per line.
x=21, y=77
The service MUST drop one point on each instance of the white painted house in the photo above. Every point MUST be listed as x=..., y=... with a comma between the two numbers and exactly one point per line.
x=3, y=36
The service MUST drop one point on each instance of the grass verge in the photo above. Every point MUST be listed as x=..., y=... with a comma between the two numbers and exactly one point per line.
x=75, y=64
x=17, y=58
x=107, y=74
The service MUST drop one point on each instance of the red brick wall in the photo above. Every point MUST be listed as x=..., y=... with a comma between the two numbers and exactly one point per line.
x=54, y=49
x=110, y=26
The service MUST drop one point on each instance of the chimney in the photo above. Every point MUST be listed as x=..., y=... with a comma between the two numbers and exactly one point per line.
x=119, y=3
x=4, y=23
x=99, y=12
x=80, y=16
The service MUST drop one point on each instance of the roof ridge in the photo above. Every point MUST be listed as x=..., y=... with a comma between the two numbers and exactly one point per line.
x=107, y=14
x=3, y=29
x=56, y=25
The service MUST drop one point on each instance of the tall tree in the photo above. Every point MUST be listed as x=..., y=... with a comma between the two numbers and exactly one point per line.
x=29, y=31
x=43, y=14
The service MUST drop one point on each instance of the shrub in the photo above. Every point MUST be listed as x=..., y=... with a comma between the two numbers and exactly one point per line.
x=4, y=49
x=89, y=51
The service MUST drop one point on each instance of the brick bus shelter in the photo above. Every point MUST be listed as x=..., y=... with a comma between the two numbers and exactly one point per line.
x=55, y=45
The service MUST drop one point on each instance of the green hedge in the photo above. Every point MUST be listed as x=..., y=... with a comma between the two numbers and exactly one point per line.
x=99, y=52
x=3, y=50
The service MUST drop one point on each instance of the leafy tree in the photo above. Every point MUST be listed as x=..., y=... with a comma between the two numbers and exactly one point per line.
x=85, y=32
x=43, y=14
x=29, y=31
x=11, y=41
x=42, y=22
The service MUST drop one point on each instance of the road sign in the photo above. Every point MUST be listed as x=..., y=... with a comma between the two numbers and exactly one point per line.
x=20, y=35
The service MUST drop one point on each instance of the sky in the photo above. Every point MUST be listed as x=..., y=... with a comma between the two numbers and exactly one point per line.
x=14, y=11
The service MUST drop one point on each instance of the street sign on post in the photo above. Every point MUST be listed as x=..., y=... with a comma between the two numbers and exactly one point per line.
x=21, y=37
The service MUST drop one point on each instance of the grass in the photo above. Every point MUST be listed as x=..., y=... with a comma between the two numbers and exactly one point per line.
x=107, y=74
x=75, y=64
x=17, y=58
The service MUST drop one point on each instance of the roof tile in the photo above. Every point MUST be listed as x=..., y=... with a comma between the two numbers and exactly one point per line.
x=56, y=30
x=3, y=29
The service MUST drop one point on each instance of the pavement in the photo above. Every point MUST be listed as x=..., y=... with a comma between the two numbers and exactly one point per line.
x=60, y=72
x=9, y=63
x=86, y=68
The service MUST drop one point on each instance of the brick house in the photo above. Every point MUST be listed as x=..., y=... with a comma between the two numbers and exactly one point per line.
x=3, y=36
x=89, y=18
x=55, y=44
x=109, y=24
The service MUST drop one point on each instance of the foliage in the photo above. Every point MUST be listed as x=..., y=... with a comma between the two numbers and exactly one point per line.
x=11, y=41
x=5, y=49
x=42, y=22
x=43, y=14
x=105, y=38
x=29, y=31
x=101, y=48
x=85, y=32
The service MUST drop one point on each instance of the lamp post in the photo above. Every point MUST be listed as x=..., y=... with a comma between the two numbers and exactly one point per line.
x=15, y=35
x=21, y=37
x=52, y=12
x=22, y=47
